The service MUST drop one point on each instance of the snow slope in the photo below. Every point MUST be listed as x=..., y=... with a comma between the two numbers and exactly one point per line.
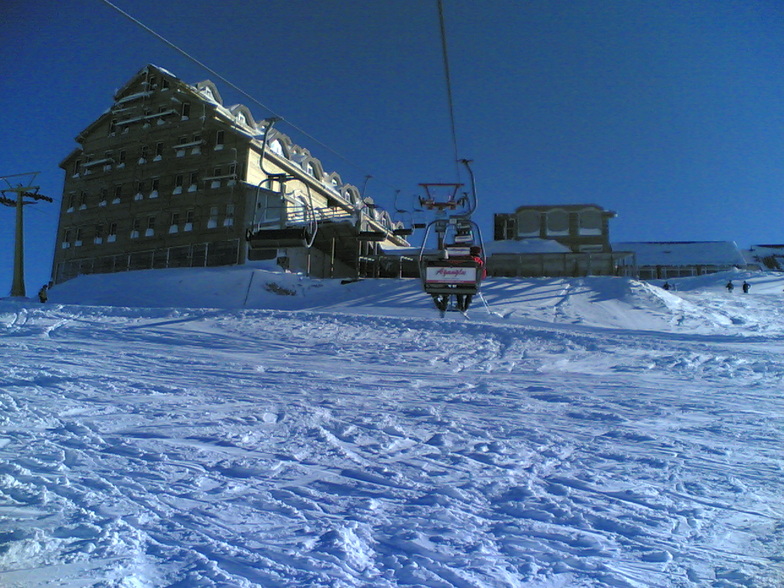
x=233, y=427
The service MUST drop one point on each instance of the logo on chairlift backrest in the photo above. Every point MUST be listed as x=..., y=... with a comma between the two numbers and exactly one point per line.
x=451, y=274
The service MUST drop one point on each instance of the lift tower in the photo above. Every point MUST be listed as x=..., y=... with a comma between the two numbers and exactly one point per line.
x=22, y=192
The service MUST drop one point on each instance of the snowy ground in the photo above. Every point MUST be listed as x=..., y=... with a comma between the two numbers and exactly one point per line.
x=234, y=428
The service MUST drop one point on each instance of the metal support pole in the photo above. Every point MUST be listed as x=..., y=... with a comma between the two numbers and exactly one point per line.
x=18, y=286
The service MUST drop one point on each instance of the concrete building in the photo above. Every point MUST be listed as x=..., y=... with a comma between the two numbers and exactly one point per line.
x=556, y=240
x=583, y=228
x=170, y=177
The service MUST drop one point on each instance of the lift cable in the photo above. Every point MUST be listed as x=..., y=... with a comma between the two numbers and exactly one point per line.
x=448, y=84
x=234, y=86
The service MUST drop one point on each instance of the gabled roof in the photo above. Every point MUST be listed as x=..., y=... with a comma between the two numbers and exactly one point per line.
x=684, y=253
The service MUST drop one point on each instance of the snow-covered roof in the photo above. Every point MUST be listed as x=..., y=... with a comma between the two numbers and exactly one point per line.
x=684, y=253
x=518, y=246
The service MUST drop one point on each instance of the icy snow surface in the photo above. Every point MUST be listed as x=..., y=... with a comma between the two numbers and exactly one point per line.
x=234, y=427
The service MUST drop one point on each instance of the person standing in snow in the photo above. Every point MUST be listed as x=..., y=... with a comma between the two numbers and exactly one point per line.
x=666, y=286
x=43, y=294
x=746, y=287
x=730, y=286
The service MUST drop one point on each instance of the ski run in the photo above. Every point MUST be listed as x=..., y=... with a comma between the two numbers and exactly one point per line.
x=234, y=427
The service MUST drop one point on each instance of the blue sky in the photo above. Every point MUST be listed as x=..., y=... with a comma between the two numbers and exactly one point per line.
x=670, y=113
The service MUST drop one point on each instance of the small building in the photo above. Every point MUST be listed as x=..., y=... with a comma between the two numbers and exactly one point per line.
x=676, y=259
x=555, y=240
x=169, y=176
x=769, y=257
x=580, y=227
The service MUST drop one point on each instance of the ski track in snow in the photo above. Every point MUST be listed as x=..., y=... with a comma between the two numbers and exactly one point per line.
x=176, y=447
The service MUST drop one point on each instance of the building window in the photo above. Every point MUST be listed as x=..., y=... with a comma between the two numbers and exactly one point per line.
x=143, y=155
x=98, y=237
x=216, y=175
x=186, y=110
x=66, y=242
x=135, y=228
x=82, y=200
x=178, y=179
x=154, y=188
x=78, y=242
x=194, y=182
x=150, y=232
x=113, y=127
x=121, y=159
x=158, y=151
x=229, y=220
x=188, y=220
x=557, y=223
x=164, y=84
x=71, y=202
x=590, y=222
x=76, y=168
x=212, y=222
x=112, y=236
x=174, y=223
x=117, y=195
x=219, y=138
x=104, y=197
x=139, y=191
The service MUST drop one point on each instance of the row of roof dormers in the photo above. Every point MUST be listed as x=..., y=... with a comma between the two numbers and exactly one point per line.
x=152, y=77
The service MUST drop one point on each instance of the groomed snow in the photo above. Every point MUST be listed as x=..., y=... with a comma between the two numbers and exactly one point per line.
x=234, y=427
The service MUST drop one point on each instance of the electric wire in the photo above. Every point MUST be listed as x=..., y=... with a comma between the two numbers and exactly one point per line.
x=230, y=83
x=445, y=55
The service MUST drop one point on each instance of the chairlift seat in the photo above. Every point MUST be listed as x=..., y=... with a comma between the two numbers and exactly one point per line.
x=278, y=238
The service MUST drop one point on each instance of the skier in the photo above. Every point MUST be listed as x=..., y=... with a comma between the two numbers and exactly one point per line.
x=43, y=294
x=746, y=287
x=730, y=286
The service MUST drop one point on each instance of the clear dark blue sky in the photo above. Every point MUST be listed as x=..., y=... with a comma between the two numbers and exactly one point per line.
x=671, y=113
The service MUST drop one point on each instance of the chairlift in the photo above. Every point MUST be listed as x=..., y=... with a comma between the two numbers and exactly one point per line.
x=455, y=267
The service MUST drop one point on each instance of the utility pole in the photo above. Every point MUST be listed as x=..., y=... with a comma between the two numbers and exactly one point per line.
x=22, y=192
